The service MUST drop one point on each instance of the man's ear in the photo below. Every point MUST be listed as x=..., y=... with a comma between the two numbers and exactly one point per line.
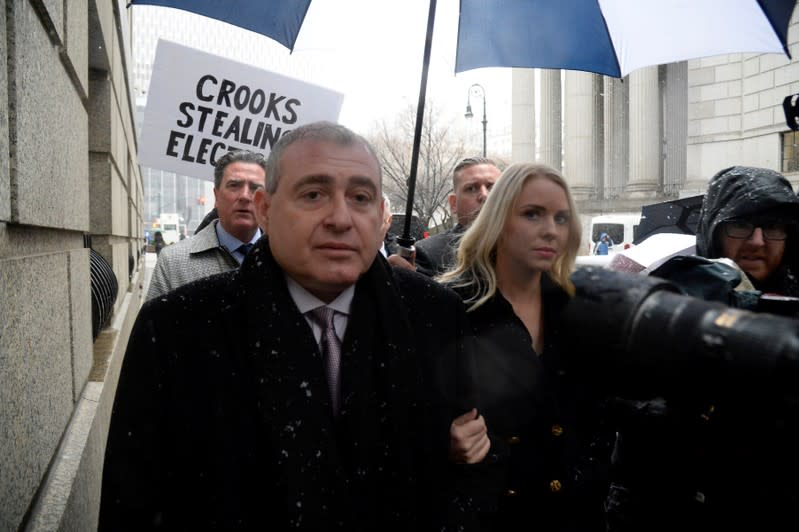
x=262, y=200
x=453, y=201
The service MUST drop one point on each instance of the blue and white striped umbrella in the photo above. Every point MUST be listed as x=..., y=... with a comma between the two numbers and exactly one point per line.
x=615, y=37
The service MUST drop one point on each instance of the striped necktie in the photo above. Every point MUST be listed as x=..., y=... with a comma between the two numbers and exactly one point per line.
x=331, y=351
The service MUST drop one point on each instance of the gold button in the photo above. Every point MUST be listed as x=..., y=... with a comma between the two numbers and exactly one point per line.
x=557, y=430
x=706, y=415
x=555, y=486
x=513, y=440
x=510, y=493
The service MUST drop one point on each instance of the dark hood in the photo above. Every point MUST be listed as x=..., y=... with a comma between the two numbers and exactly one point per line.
x=738, y=192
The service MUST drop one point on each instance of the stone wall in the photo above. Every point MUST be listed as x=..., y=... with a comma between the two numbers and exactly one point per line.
x=665, y=136
x=735, y=113
x=68, y=171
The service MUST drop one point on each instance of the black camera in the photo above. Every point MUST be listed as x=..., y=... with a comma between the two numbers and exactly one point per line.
x=642, y=337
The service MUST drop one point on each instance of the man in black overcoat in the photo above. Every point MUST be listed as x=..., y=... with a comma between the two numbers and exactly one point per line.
x=472, y=180
x=226, y=415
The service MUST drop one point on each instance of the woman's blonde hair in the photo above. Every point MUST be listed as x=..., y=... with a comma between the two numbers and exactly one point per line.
x=475, y=266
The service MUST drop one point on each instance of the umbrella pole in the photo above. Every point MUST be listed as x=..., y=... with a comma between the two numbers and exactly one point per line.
x=406, y=241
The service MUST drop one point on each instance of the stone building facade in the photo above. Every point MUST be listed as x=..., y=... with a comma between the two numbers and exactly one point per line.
x=661, y=132
x=69, y=181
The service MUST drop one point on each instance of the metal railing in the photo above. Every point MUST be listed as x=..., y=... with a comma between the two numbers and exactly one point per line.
x=104, y=288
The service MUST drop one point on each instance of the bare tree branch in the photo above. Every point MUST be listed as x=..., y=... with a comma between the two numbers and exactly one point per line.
x=439, y=151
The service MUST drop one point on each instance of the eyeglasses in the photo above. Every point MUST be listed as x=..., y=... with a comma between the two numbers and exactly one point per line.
x=742, y=229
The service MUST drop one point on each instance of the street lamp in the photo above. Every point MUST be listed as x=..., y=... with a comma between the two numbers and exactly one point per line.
x=469, y=113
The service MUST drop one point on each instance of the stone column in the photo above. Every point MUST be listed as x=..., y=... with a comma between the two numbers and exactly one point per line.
x=523, y=115
x=598, y=136
x=675, y=127
x=616, y=160
x=644, y=176
x=579, y=144
x=551, y=119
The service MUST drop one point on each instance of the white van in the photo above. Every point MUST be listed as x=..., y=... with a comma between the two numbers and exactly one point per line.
x=170, y=227
x=619, y=227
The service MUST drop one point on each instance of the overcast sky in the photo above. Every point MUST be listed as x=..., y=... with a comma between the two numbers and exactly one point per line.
x=375, y=49
x=369, y=50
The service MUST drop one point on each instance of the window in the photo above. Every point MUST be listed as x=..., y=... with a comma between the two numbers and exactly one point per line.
x=614, y=230
x=790, y=151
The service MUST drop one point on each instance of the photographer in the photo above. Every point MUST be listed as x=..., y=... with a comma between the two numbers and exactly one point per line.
x=720, y=451
x=749, y=215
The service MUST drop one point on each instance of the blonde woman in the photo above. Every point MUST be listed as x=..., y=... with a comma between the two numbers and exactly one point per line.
x=549, y=448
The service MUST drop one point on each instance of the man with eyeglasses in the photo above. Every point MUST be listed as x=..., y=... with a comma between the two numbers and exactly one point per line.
x=750, y=215
x=722, y=456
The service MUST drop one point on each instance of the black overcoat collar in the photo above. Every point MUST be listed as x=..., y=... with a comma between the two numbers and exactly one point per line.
x=367, y=446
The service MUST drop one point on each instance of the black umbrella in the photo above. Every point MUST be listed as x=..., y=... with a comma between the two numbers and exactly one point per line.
x=675, y=216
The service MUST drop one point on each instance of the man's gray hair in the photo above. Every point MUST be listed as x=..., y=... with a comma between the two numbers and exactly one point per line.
x=318, y=131
x=236, y=156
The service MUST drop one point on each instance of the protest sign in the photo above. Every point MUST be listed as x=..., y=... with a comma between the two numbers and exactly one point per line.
x=200, y=106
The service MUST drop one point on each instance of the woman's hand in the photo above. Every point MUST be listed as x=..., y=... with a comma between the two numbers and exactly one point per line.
x=468, y=438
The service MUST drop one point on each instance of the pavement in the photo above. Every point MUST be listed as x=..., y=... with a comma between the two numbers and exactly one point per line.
x=149, y=264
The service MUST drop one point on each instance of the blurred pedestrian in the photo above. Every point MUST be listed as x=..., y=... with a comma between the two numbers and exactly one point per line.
x=158, y=242
x=603, y=245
